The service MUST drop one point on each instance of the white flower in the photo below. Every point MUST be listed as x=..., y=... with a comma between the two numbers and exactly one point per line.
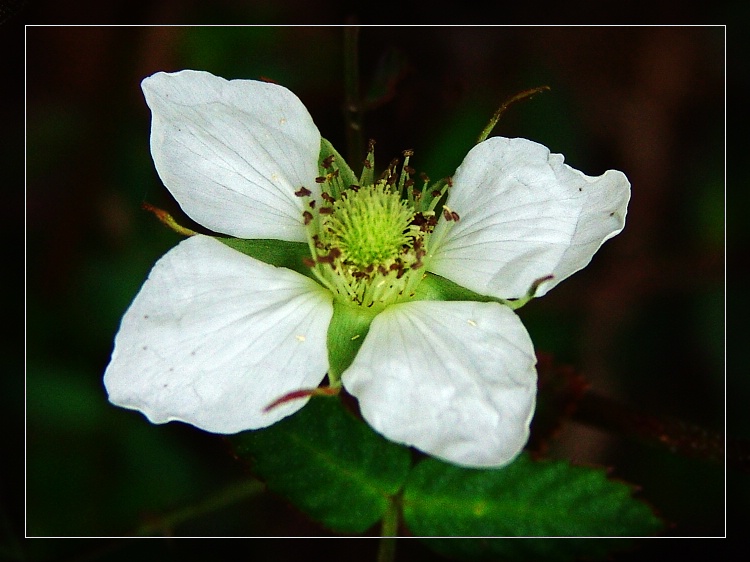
x=215, y=336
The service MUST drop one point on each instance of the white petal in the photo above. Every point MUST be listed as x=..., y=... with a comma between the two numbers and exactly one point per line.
x=454, y=379
x=524, y=215
x=233, y=152
x=214, y=336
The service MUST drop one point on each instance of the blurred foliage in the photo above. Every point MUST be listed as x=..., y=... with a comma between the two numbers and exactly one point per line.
x=644, y=322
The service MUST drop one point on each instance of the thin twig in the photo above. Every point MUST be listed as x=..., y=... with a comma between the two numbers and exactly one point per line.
x=234, y=493
x=677, y=436
x=506, y=104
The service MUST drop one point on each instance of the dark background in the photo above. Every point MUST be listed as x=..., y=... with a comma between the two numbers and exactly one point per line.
x=644, y=323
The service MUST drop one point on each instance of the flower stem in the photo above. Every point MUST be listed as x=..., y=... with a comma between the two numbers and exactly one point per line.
x=389, y=532
x=352, y=103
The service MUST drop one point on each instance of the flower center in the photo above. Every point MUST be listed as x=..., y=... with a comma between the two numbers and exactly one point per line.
x=371, y=227
x=369, y=242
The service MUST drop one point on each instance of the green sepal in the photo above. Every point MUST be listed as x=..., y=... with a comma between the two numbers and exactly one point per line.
x=434, y=287
x=345, y=175
x=280, y=253
x=524, y=499
x=329, y=464
x=346, y=332
x=367, y=177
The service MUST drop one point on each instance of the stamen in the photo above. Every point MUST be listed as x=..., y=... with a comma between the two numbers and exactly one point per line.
x=449, y=214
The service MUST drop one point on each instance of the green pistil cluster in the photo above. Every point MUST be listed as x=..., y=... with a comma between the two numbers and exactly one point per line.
x=369, y=242
x=371, y=226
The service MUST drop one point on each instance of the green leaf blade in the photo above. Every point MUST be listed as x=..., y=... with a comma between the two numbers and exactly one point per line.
x=524, y=499
x=330, y=465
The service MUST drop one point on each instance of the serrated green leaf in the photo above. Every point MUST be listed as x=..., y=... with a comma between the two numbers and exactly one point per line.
x=524, y=499
x=280, y=253
x=330, y=465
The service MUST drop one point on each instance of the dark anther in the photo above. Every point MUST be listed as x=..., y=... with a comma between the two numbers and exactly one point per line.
x=424, y=177
x=408, y=152
x=309, y=262
x=425, y=224
x=332, y=255
x=435, y=193
x=371, y=145
x=312, y=204
x=328, y=161
x=367, y=164
x=335, y=173
x=449, y=180
x=327, y=197
x=303, y=192
x=320, y=179
x=450, y=215
x=307, y=215
x=354, y=188
x=408, y=183
x=326, y=210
